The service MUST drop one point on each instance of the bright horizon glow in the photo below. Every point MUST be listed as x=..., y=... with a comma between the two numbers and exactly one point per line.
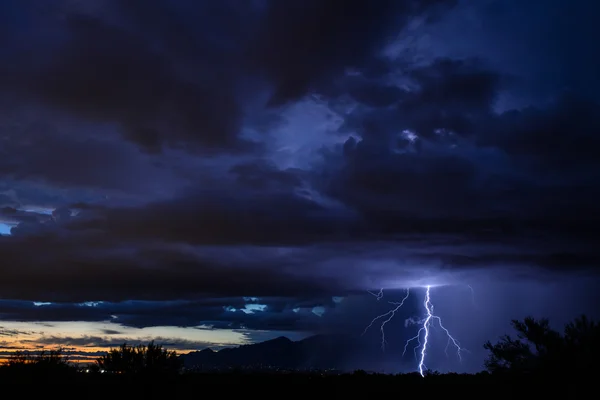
x=101, y=336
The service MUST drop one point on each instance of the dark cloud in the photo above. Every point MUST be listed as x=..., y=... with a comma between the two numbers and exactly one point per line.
x=551, y=260
x=7, y=201
x=450, y=94
x=109, y=271
x=446, y=94
x=441, y=159
x=110, y=332
x=303, y=43
x=214, y=217
x=46, y=162
x=560, y=139
x=110, y=67
x=108, y=343
x=13, y=215
x=261, y=175
x=29, y=311
x=106, y=73
x=265, y=313
x=13, y=332
x=72, y=162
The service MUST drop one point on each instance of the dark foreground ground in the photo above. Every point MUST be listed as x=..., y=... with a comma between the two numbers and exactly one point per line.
x=288, y=385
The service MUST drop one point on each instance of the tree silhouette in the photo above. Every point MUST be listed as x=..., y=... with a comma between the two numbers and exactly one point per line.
x=540, y=349
x=140, y=359
x=45, y=361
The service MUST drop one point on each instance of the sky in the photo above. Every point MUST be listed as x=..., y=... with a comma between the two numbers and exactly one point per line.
x=210, y=174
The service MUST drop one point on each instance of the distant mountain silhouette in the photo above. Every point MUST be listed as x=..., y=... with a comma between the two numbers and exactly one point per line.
x=341, y=352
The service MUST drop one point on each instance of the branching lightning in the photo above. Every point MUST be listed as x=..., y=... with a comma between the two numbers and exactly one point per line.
x=424, y=330
x=390, y=314
x=378, y=295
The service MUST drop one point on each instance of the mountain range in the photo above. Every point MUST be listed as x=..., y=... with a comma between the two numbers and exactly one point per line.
x=340, y=352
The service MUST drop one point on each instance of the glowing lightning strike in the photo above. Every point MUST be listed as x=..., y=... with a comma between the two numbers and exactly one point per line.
x=425, y=328
x=378, y=295
x=390, y=314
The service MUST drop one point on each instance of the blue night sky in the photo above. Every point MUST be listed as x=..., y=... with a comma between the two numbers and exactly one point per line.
x=215, y=173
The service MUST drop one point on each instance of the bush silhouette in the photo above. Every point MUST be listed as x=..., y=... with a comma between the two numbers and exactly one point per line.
x=42, y=362
x=140, y=359
x=540, y=349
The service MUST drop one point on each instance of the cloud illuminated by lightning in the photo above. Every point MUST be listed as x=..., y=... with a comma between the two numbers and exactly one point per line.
x=424, y=330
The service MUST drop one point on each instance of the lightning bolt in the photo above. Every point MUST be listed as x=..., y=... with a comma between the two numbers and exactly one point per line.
x=378, y=295
x=390, y=314
x=424, y=330
x=472, y=295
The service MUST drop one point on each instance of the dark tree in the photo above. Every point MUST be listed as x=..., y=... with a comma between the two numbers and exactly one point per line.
x=45, y=361
x=540, y=349
x=140, y=359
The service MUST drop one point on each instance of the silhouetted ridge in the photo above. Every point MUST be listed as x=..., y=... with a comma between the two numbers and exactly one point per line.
x=319, y=351
x=207, y=350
